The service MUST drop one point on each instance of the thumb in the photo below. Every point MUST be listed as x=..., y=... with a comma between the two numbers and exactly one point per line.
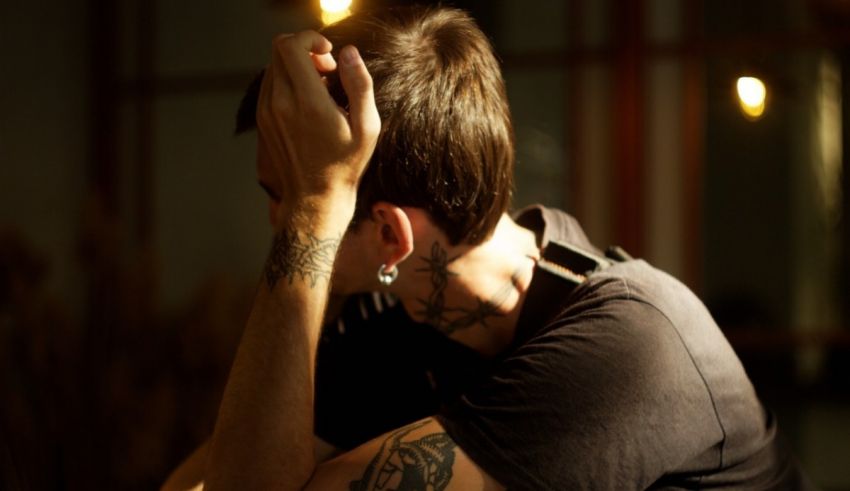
x=357, y=83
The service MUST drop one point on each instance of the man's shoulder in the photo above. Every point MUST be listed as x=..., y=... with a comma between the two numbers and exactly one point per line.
x=650, y=306
x=641, y=282
x=553, y=224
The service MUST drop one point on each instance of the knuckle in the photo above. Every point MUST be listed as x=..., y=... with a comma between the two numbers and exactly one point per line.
x=301, y=39
x=369, y=127
x=308, y=35
x=372, y=128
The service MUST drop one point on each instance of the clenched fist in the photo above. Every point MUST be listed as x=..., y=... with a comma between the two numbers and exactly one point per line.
x=318, y=150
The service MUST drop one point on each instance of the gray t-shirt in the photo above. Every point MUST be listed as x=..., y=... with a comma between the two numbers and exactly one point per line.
x=626, y=382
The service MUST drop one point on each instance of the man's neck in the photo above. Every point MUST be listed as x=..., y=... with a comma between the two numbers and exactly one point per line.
x=473, y=294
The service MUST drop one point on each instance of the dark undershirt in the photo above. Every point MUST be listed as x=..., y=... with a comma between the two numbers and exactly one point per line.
x=377, y=370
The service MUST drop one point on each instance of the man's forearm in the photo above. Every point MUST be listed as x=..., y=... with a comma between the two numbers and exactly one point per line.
x=263, y=437
x=264, y=432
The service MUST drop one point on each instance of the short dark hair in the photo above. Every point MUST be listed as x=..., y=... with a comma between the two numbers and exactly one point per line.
x=446, y=142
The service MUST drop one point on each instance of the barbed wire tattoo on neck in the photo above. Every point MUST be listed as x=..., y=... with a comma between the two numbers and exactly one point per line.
x=307, y=257
x=433, y=309
x=449, y=320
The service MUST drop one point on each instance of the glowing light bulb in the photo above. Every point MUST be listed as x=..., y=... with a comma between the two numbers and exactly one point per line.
x=751, y=96
x=335, y=6
x=334, y=10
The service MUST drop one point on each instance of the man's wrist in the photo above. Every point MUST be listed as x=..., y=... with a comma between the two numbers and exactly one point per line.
x=307, y=239
x=322, y=214
x=301, y=256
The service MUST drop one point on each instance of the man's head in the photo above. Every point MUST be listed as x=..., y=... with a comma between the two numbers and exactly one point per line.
x=446, y=143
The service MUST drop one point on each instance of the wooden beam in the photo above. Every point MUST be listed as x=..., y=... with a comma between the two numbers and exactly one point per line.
x=693, y=148
x=628, y=139
x=574, y=139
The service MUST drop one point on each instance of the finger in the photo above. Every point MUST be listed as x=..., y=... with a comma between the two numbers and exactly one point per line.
x=297, y=53
x=357, y=83
x=279, y=104
x=324, y=63
x=272, y=99
x=280, y=85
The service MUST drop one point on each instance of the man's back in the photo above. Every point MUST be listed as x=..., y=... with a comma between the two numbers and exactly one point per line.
x=702, y=413
x=626, y=383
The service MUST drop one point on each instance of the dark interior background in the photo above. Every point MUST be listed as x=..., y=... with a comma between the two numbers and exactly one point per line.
x=132, y=230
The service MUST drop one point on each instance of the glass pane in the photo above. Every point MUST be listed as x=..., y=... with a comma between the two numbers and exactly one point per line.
x=211, y=217
x=194, y=36
x=538, y=104
x=531, y=25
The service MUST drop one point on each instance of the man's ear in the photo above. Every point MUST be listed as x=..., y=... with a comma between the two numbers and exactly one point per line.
x=395, y=233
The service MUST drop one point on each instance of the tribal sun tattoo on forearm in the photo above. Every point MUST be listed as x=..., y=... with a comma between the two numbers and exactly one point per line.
x=300, y=256
x=420, y=465
x=449, y=320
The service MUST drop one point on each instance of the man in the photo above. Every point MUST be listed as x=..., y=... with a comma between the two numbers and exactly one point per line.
x=578, y=371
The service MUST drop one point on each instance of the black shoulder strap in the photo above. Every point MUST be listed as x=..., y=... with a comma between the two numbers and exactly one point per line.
x=574, y=264
x=561, y=268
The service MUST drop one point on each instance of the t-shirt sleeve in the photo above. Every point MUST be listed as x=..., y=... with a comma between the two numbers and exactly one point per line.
x=585, y=403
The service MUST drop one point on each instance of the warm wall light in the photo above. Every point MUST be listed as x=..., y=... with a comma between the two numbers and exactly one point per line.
x=751, y=96
x=334, y=10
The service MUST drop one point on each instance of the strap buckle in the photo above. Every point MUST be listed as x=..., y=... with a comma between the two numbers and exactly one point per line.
x=570, y=263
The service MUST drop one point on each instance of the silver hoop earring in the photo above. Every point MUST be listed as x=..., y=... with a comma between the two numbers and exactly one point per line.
x=385, y=277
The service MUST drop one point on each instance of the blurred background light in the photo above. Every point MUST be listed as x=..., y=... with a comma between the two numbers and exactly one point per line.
x=334, y=10
x=751, y=96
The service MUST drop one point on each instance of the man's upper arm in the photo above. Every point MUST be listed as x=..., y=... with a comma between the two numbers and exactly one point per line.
x=417, y=456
